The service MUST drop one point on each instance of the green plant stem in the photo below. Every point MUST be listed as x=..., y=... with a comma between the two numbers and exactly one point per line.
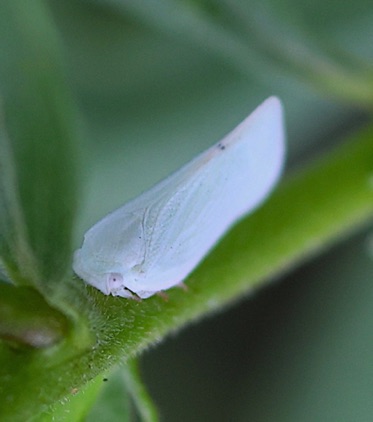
x=136, y=389
x=309, y=211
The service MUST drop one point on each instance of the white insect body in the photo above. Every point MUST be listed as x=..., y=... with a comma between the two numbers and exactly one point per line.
x=154, y=241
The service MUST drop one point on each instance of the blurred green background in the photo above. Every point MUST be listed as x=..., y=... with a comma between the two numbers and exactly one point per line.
x=298, y=350
x=156, y=83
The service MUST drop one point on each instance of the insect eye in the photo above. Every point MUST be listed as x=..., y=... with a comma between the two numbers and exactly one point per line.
x=115, y=280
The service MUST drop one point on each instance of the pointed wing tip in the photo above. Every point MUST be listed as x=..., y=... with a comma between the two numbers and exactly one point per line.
x=268, y=118
x=272, y=105
x=269, y=112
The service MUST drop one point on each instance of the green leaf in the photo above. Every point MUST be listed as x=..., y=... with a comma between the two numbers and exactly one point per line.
x=287, y=45
x=138, y=392
x=14, y=248
x=193, y=23
x=310, y=210
x=252, y=36
x=38, y=170
x=113, y=402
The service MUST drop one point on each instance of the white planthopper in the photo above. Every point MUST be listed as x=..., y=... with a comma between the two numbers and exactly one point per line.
x=154, y=241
